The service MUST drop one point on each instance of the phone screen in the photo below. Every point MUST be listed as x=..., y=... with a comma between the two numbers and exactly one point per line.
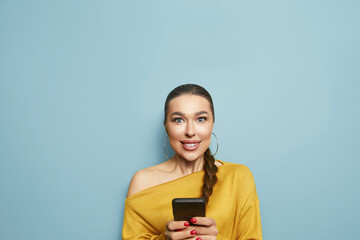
x=186, y=208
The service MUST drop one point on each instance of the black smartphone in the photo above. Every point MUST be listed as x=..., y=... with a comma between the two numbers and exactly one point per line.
x=186, y=208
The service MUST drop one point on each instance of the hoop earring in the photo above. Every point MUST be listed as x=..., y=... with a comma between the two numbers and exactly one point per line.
x=165, y=147
x=217, y=144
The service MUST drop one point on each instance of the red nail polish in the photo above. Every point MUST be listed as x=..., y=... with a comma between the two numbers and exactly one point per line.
x=193, y=232
x=177, y=230
x=199, y=238
x=193, y=220
x=186, y=224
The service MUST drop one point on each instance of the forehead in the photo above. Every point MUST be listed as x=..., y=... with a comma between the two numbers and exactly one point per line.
x=189, y=104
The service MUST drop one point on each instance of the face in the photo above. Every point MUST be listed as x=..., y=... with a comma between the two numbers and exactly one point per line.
x=189, y=124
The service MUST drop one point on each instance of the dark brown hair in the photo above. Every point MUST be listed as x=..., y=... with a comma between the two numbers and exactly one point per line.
x=209, y=164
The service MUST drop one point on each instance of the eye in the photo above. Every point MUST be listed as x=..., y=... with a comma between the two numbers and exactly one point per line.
x=178, y=120
x=201, y=119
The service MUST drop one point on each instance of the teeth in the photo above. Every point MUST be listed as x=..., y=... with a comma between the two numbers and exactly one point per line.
x=190, y=144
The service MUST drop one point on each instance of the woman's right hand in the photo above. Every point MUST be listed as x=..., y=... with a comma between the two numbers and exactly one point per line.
x=176, y=230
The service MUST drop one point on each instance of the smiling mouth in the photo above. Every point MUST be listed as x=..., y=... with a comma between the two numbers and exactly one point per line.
x=190, y=145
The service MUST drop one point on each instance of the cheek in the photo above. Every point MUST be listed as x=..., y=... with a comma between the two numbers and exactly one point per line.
x=175, y=132
x=175, y=135
x=205, y=132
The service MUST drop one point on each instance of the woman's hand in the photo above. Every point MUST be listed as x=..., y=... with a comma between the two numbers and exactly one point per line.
x=204, y=228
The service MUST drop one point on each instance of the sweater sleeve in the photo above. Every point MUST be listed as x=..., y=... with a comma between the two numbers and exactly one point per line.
x=250, y=221
x=135, y=227
x=147, y=236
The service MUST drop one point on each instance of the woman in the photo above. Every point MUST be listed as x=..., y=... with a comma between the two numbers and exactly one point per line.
x=232, y=205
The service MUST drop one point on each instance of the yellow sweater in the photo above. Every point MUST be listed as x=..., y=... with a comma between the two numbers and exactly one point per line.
x=234, y=205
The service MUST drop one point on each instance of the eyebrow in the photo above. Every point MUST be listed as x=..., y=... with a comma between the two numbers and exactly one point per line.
x=182, y=114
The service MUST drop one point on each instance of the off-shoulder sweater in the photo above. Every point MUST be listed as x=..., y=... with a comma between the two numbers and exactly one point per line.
x=234, y=205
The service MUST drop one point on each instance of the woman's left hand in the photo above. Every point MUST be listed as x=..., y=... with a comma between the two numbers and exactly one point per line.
x=205, y=228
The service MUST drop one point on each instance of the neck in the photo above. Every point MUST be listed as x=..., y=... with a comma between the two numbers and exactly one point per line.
x=187, y=167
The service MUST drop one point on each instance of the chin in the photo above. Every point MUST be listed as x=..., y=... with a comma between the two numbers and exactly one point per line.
x=190, y=156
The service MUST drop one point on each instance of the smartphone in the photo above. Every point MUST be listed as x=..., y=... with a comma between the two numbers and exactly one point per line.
x=186, y=208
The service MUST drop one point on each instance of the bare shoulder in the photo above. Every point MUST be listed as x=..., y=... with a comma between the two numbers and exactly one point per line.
x=147, y=178
x=140, y=181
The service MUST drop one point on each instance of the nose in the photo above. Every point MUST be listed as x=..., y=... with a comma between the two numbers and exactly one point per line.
x=190, y=130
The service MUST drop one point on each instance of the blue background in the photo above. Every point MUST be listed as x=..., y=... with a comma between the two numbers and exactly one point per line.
x=82, y=88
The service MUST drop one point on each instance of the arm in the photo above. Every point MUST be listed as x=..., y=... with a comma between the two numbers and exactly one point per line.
x=250, y=221
x=135, y=225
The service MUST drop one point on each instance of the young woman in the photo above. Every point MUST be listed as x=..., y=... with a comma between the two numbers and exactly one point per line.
x=232, y=205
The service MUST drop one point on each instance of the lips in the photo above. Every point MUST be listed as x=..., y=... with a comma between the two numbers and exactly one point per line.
x=190, y=145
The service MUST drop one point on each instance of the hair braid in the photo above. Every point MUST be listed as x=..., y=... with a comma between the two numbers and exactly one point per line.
x=210, y=175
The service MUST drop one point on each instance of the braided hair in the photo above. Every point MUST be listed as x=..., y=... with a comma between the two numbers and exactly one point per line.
x=210, y=167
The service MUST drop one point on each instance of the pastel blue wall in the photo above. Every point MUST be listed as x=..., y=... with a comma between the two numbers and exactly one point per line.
x=82, y=87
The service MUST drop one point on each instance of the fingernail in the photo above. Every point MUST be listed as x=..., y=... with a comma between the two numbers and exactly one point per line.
x=193, y=220
x=199, y=238
x=177, y=230
x=193, y=232
x=186, y=224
